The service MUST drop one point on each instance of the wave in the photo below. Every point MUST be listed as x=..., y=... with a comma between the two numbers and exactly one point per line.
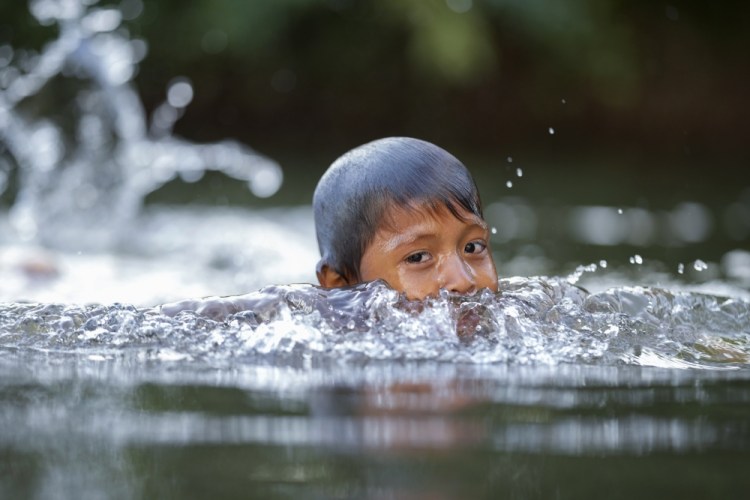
x=539, y=321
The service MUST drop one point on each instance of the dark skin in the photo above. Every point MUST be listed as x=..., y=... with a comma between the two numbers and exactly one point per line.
x=420, y=250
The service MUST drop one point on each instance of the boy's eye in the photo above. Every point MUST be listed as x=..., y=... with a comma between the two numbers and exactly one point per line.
x=417, y=258
x=474, y=247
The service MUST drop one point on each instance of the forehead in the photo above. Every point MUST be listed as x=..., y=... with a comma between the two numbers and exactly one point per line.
x=400, y=218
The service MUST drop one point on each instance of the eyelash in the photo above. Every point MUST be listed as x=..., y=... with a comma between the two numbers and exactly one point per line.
x=482, y=247
x=418, y=257
x=411, y=259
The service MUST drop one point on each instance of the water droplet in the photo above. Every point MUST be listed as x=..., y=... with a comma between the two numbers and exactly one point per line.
x=699, y=265
x=576, y=275
x=603, y=264
x=102, y=20
x=636, y=259
x=493, y=230
x=509, y=159
x=519, y=172
x=551, y=131
x=681, y=268
x=509, y=184
x=266, y=181
x=131, y=9
x=180, y=93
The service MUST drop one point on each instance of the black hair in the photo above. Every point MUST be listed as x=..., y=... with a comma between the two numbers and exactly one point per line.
x=353, y=195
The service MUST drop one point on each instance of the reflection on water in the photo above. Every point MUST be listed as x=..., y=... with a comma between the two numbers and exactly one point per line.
x=516, y=220
x=686, y=223
x=559, y=393
x=358, y=393
x=127, y=428
x=542, y=390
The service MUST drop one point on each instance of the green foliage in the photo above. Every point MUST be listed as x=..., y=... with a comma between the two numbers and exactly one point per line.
x=583, y=36
x=444, y=45
x=467, y=69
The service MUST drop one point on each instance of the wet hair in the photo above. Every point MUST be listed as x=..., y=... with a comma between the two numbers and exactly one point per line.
x=352, y=197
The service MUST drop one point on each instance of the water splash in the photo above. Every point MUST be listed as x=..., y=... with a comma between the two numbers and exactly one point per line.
x=81, y=185
x=699, y=265
x=537, y=321
x=575, y=276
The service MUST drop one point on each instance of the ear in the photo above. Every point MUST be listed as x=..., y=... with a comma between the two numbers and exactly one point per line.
x=330, y=278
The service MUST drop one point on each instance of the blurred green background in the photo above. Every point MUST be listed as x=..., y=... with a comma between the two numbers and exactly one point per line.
x=630, y=103
x=639, y=85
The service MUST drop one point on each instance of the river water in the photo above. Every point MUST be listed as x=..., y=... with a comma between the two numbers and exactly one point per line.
x=614, y=361
x=545, y=389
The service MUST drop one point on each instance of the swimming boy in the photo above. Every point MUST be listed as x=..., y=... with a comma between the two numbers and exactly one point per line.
x=405, y=211
x=398, y=209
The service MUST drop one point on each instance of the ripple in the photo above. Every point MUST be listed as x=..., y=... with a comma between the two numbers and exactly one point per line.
x=538, y=321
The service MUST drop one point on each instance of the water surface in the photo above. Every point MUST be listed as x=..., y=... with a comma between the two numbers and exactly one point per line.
x=543, y=389
x=614, y=360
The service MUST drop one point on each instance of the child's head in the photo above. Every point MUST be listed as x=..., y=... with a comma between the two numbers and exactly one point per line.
x=405, y=211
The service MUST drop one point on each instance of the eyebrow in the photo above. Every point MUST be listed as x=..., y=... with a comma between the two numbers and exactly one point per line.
x=401, y=240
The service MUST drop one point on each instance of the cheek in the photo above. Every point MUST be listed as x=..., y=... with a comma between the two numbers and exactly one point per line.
x=374, y=265
x=417, y=286
x=487, y=276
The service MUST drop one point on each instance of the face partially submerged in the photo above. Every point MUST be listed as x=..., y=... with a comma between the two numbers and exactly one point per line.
x=422, y=250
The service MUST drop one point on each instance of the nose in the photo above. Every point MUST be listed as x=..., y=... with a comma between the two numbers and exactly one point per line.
x=457, y=276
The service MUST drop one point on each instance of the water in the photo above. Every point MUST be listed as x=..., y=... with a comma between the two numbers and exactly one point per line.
x=118, y=402
x=357, y=393
x=617, y=377
x=82, y=177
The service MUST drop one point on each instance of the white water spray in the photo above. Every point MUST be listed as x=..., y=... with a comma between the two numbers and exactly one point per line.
x=81, y=185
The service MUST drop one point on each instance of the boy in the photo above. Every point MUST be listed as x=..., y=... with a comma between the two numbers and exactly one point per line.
x=404, y=211
x=398, y=209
